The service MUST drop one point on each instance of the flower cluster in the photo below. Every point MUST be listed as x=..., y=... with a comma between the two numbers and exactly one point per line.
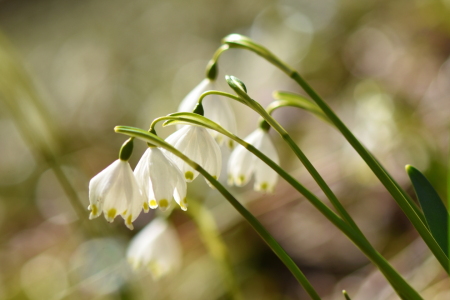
x=160, y=177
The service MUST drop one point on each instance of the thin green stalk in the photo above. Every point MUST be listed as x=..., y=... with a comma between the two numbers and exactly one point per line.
x=304, y=104
x=216, y=247
x=414, y=205
x=18, y=93
x=403, y=289
x=312, y=170
x=239, y=41
x=298, y=152
x=448, y=201
x=220, y=93
x=378, y=171
x=46, y=155
x=346, y=296
x=259, y=228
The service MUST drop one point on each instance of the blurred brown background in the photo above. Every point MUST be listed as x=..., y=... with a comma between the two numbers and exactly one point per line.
x=92, y=64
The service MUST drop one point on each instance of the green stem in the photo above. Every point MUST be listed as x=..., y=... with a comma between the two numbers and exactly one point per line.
x=259, y=228
x=403, y=289
x=448, y=201
x=16, y=81
x=215, y=245
x=378, y=171
x=319, y=113
x=346, y=296
x=298, y=152
x=238, y=41
x=220, y=93
x=311, y=169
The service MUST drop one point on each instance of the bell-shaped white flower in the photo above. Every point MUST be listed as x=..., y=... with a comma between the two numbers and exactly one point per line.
x=114, y=191
x=216, y=109
x=196, y=143
x=161, y=181
x=157, y=248
x=242, y=163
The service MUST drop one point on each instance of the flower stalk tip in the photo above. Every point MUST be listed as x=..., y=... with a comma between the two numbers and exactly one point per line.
x=199, y=109
x=212, y=70
x=126, y=150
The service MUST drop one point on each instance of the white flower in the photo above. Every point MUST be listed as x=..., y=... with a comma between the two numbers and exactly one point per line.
x=196, y=143
x=216, y=109
x=242, y=163
x=160, y=180
x=114, y=191
x=157, y=248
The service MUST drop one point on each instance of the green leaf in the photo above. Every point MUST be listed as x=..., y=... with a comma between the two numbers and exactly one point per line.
x=235, y=40
x=347, y=297
x=291, y=99
x=187, y=118
x=434, y=210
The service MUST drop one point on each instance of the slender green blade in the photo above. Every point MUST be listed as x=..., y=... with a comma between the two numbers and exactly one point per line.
x=433, y=208
x=347, y=297
x=291, y=99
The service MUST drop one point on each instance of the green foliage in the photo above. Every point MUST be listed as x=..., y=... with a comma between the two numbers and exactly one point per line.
x=435, y=212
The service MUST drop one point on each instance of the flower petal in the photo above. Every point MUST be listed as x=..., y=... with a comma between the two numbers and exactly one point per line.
x=156, y=247
x=199, y=146
x=265, y=177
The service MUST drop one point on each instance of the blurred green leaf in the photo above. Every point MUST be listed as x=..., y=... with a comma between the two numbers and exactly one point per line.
x=435, y=212
x=347, y=297
x=291, y=99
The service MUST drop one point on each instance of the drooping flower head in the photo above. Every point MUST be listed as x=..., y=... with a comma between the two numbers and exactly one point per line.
x=114, y=191
x=196, y=143
x=216, y=109
x=161, y=181
x=157, y=248
x=243, y=164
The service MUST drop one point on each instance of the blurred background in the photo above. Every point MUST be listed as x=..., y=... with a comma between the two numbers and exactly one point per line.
x=72, y=70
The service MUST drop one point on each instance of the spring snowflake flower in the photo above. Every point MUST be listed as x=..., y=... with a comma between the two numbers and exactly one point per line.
x=160, y=180
x=242, y=163
x=216, y=109
x=114, y=191
x=156, y=247
x=196, y=143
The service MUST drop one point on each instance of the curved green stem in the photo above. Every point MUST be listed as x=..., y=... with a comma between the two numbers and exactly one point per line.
x=243, y=42
x=298, y=152
x=259, y=228
x=220, y=93
x=385, y=179
x=285, y=99
x=398, y=283
x=22, y=100
x=311, y=169
x=215, y=245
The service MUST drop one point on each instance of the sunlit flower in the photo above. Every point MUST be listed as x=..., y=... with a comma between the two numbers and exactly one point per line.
x=242, y=163
x=196, y=143
x=114, y=191
x=216, y=109
x=161, y=181
x=156, y=248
